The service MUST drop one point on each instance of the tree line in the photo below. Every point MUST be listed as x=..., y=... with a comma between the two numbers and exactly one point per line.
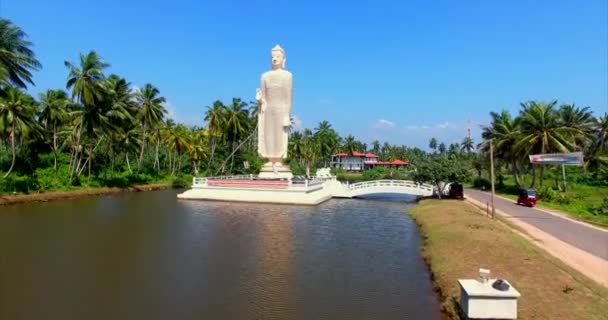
x=99, y=130
x=544, y=127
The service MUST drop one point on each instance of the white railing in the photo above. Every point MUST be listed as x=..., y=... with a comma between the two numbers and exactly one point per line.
x=304, y=183
x=390, y=183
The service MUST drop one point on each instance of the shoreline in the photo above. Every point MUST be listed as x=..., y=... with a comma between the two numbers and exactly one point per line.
x=7, y=200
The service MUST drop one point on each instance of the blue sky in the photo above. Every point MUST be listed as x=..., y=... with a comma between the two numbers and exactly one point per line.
x=401, y=71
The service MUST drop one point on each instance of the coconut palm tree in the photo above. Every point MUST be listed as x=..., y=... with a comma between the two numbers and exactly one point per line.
x=55, y=105
x=328, y=140
x=442, y=148
x=129, y=140
x=176, y=140
x=309, y=149
x=596, y=155
x=195, y=147
x=86, y=81
x=433, y=144
x=376, y=147
x=579, y=119
x=349, y=145
x=504, y=132
x=542, y=131
x=17, y=110
x=467, y=144
x=215, y=125
x=237, y=123
x=17, y=60
x=151, y=112
x=295, y=146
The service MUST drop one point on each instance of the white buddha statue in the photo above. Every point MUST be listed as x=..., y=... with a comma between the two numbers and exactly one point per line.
x=275, y=98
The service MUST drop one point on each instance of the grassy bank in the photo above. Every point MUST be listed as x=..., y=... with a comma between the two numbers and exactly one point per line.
x=459, y=240
x=76, y=193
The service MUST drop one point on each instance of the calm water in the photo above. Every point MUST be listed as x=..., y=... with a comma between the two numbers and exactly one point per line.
x=149, y=256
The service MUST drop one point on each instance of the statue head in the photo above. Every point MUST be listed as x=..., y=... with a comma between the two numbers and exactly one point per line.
x=277, y=57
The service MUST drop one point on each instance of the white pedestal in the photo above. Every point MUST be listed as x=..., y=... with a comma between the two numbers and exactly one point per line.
x=280, y=171
x=481, y=301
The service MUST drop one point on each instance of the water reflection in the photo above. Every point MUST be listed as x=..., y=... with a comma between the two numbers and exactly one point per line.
x=149, y=256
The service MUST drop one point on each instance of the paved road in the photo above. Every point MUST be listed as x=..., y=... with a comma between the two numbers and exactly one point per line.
x=588, y=239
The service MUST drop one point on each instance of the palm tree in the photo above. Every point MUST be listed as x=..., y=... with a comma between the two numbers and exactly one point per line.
x=349, y=144
x=309, y=149
x=468, y=144
x=86, y=80
x=542, y=131
x=442, y=148
x=151, y=113
x=129, y=140
x=504, y=132
x=385, y=151
x=376, y=147
x=17, y=60
x=295, y=146
x=176, y=139
x=17, y=111
x=54, y=113
x=596, y=156
x=195, y=147
x=215, y=124
x=87, y=84
x=328, y=140
x=237, y=124
x=433, y=144
x=579, y=119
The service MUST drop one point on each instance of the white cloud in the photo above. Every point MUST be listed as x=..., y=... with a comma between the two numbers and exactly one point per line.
x=297, y=123
x=383, y=124
x=444, y=125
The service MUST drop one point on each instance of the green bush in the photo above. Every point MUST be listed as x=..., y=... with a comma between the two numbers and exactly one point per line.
x=562, y=198
x=601, y=209
x=119, y=180
x=482, y=183
x=47, y=179
x=181, y=182
x=546, y=193
x=374, y=174
x=19, y=184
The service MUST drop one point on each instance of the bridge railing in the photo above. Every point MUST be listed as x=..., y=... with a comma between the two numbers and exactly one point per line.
x=391, y=183
x=301, y=182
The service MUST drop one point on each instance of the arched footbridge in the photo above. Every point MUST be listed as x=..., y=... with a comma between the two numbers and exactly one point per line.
x=388, y=186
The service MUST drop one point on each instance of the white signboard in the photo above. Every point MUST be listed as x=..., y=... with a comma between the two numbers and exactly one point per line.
x=572, y=158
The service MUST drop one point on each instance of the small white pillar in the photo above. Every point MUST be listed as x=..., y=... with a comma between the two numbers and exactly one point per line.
x=480, y=300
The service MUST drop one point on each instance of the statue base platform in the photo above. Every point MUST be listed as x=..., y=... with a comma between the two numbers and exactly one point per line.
x=255, y=189
x=279, y=171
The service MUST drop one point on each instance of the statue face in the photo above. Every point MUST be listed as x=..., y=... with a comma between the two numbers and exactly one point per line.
x=277, y=59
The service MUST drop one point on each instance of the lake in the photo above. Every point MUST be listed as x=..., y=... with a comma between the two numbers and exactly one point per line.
x=149, y=256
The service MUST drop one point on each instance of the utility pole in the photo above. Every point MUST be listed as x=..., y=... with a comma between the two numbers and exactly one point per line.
x=564, y=175
x=492, y=176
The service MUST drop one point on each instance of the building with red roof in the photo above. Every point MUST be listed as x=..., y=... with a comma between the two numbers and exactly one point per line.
x=358, y=161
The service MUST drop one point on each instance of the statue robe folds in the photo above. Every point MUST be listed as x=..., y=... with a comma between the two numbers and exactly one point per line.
x=274, y=119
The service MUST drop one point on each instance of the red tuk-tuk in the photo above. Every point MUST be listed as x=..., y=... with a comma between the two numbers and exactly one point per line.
x=456, y=191
x=527, y=197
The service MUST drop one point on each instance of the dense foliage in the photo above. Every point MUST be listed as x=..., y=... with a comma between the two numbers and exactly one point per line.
x=99, y=131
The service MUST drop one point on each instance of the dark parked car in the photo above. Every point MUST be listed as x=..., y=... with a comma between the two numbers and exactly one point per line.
x=527, y=197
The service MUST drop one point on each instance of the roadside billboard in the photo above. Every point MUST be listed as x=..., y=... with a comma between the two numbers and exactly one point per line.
x=572, y=158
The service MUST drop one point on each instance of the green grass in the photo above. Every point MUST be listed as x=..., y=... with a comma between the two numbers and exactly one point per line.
x=458, y=240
